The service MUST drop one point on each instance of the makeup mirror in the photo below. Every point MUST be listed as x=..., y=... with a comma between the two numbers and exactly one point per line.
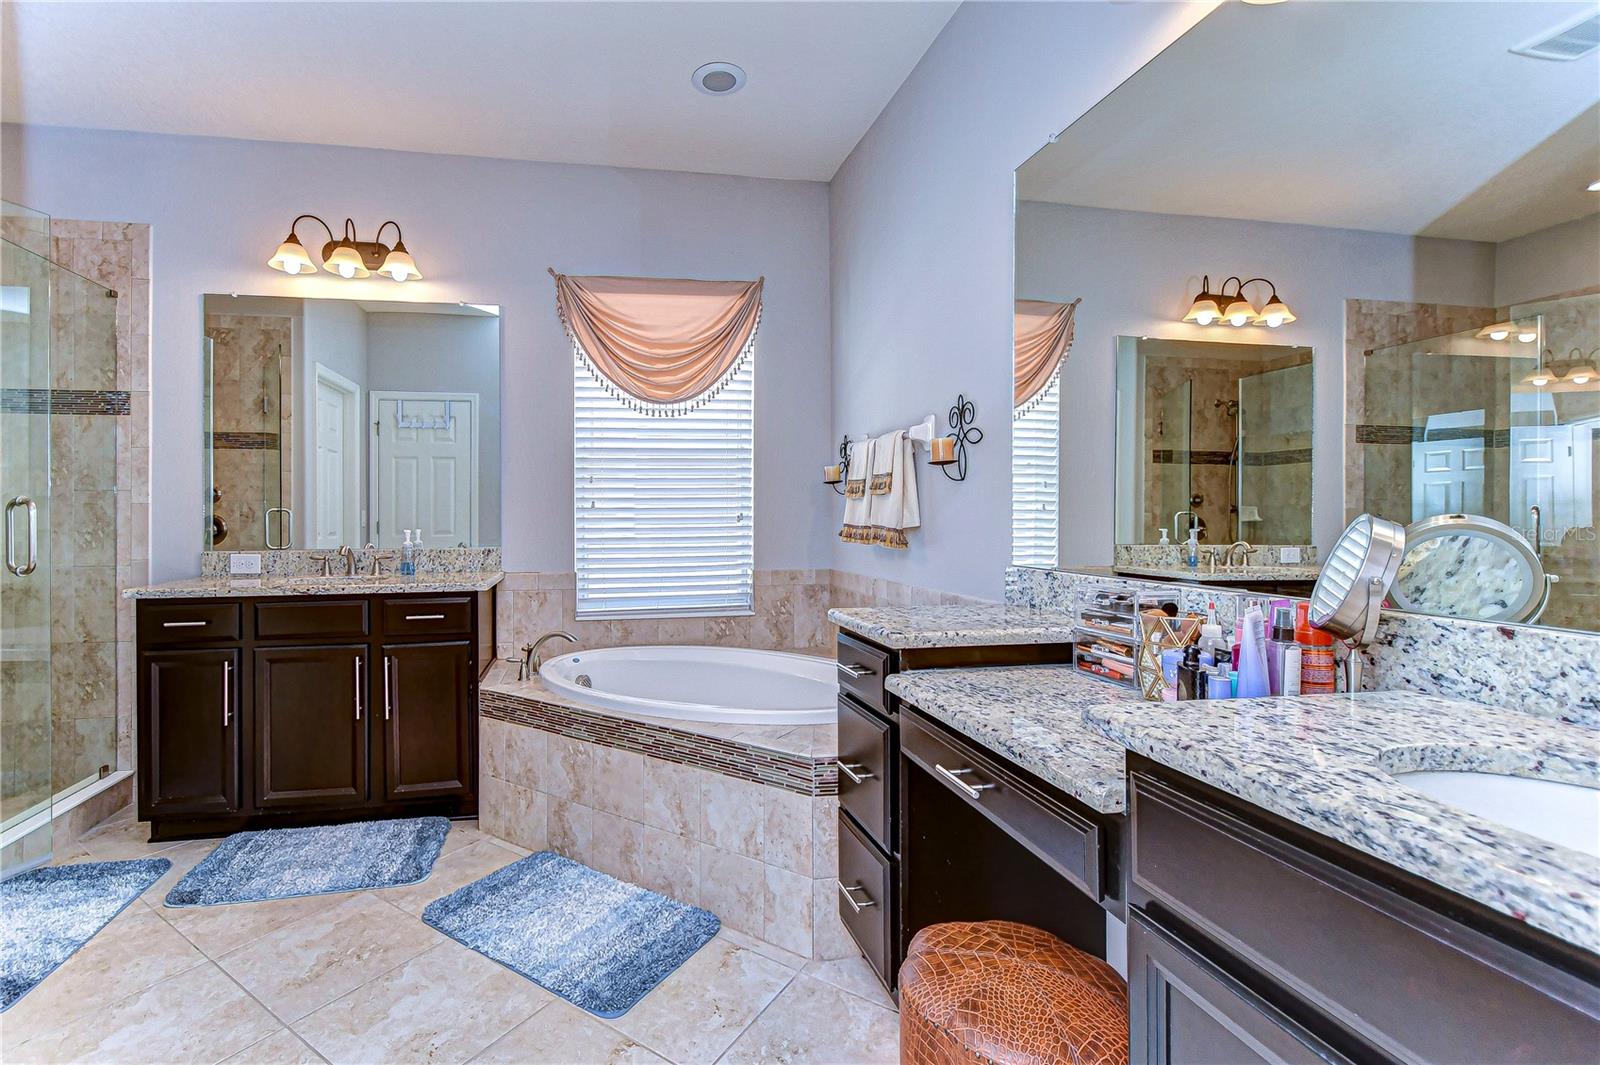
x=1350, y=590
x=1470, y=566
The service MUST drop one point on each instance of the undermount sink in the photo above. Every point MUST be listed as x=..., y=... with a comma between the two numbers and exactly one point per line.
x=1567, y=815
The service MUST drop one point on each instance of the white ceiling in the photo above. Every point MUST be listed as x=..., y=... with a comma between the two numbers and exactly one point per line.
x=1399, y=117
x=575, y=82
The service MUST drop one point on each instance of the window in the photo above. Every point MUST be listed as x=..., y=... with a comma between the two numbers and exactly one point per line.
x=665, y=506
x=1036, y=480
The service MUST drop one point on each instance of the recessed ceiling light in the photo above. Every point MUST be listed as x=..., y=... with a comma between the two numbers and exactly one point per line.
x=1594, y=186
x=719, y=79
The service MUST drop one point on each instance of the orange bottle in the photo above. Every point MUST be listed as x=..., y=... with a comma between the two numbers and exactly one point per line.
x=1318, y=669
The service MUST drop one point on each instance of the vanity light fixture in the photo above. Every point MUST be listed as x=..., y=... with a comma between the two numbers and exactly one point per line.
x=1205, y=309
x=347, y=255
x=1235, y=309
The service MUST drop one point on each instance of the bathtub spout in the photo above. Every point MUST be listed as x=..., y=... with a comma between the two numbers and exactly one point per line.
x=531, y=660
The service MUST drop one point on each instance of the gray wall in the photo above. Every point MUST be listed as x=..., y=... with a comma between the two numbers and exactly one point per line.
x=1549, y=262
x=482, y=231
x=1137, y=272
x=446, y=353
x=921, y=217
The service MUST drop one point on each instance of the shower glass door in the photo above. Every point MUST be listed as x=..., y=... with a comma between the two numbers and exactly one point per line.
x=1174, y=454
x=25, y=612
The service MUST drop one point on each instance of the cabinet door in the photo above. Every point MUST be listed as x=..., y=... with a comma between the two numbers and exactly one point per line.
x=427, y=702
x=311, y=725
x=190, y=715
x=1185, y=1011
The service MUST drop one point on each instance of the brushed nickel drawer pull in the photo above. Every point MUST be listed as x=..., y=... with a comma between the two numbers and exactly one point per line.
x=424, y=617
x=854, y=905
x=849, y=770
x=973, y=791
x=387, y=701
x=184, y=624
x=227, y=693
x=358, y=687
x=855, y=671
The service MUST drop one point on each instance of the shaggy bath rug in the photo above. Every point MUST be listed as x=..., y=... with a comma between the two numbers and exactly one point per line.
x=597, y=942
x=49, y=913
x=285, y=863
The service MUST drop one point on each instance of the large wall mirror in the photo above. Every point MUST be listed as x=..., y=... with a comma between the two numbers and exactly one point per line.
x=333, y=422
x=1319, y=259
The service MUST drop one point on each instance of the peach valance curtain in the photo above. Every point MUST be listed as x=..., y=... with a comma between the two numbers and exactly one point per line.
x=661, y=345
x=1043, y=333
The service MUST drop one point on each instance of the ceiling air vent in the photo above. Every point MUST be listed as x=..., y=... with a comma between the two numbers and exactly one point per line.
x=1571, y=42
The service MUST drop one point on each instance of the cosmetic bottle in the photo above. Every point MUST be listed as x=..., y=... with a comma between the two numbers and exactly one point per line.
x=1188, y=671
x=408, y=556
x=1218, y=684
x=1253, y=683
x=1318, y=669
x=1291, y=669
x=1191, y=549
x=1278, y=644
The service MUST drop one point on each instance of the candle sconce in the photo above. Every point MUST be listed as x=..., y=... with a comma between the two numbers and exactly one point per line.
x=834, y=476
x=949, y=452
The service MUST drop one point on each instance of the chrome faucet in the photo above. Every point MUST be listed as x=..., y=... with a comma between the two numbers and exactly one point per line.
x=531, y=660
x=1244, y=550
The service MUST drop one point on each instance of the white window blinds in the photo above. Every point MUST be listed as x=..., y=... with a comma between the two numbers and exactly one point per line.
x=1036, y=480
x=664, y=505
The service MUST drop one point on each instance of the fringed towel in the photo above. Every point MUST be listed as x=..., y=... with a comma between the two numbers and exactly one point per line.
x=855, y=490
x=886, y=515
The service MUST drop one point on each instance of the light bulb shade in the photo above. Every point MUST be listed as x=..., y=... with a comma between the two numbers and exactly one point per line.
x=292, y=257
x=1204, y=310
x=1582, y=374
x=346, y=262
x=399, y=265
x=1497, y=331
x=1238, y=312
x=1275, y=313
x=1538, y=378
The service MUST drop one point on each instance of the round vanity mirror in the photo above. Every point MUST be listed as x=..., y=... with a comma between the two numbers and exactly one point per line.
x=1469, y=566
x=1349, y=593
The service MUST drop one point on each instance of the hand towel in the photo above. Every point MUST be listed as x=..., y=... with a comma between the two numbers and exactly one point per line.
x=855, y=494
x=885, y=516
x=885, y=451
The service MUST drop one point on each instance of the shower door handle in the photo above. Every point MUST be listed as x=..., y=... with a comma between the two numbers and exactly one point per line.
x=30, y=509
x=288, y=528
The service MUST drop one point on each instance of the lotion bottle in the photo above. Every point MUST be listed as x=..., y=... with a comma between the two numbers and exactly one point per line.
x=408, y=556
x=1253, y=682
x=1191, y=548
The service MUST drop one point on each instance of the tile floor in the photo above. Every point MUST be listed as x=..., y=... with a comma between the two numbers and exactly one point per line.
x=358, y=977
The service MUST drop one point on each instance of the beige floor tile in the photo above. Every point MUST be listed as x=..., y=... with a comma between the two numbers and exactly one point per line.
x=218, y=929
x=135, y=950
x=184, y=857
x=71, y=855
x=123, y=839
x=816, y=1022
x=315, y=960
x=452, y=871
x=698, y=1011
x=462, y=834
x=198, y=1015
x=282, y=1047
x=787, y=958
x=563, y=1034
x=853, y=975
x=445, y=1005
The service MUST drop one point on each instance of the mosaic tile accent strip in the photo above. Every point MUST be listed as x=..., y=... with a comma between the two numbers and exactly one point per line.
x=799, y=774
x=1416, y=434
x=230, y=441
x=1298, y=456
x=66, y=401
x=1288, y=457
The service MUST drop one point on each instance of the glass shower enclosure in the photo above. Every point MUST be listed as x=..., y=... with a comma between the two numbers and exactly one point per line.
x=58, y=487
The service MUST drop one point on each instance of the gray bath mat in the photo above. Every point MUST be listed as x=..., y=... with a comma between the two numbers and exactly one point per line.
x=48, y=913
x=285, y=863
x=597, y=942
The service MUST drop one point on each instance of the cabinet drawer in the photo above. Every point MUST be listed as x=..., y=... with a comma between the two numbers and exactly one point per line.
x=187, y=622
x=864, y=766
x=865, y=888
x=1390, y=971
x=333, y=617
x=427, y=617
x=862, y=669
x=1067, y=842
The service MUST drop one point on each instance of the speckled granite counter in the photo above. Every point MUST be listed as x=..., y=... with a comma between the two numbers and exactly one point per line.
x=954, y=626
x=252, y=587
x=1321, y=762
x=1032, y=715
x=1202, y=575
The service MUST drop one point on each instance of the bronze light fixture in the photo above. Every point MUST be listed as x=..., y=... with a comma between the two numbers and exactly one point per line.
x=347, y=255
x=1219, y=308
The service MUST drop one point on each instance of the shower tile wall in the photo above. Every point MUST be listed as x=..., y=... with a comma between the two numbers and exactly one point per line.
x=251, y=417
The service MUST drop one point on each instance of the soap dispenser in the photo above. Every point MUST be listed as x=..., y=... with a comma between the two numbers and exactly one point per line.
x=1164, y=541
x=1191, y=548
x=408, y=556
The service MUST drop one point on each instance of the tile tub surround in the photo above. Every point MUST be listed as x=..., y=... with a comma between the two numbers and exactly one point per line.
x=707, y=820
x=1549, y=673
x=295, y=563
x=1320, y=762
x=1032, y=715
x=247, y=587
x=984, y=625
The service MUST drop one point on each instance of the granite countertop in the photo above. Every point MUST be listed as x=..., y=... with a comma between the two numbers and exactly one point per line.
x=1321, y=762
x=954, y=626
x=1033, y=716
x=1202, y=575
x=255, y=587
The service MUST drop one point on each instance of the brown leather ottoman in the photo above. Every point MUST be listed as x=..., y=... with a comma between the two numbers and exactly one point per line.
x=998, y=991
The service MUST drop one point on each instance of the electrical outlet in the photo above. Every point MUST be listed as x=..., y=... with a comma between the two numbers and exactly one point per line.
x=244, y=563
x=1288, y=555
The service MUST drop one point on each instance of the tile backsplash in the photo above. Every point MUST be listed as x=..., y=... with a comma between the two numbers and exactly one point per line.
x=306, y=564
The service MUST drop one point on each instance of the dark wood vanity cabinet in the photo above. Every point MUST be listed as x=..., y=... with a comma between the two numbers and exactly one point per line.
x=1251, y=939
x=272, y=712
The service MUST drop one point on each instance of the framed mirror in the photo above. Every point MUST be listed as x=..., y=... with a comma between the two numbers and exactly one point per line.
x=332, y=422
x=1413, y=227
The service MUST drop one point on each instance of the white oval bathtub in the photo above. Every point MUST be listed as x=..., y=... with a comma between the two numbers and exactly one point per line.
x=735, y=684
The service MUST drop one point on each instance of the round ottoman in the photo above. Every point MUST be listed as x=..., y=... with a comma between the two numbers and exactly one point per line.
x=998, y=991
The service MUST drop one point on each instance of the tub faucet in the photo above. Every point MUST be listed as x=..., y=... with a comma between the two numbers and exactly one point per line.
x=531, y=660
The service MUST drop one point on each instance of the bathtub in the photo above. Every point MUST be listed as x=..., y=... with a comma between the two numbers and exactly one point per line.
x=733, y=684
